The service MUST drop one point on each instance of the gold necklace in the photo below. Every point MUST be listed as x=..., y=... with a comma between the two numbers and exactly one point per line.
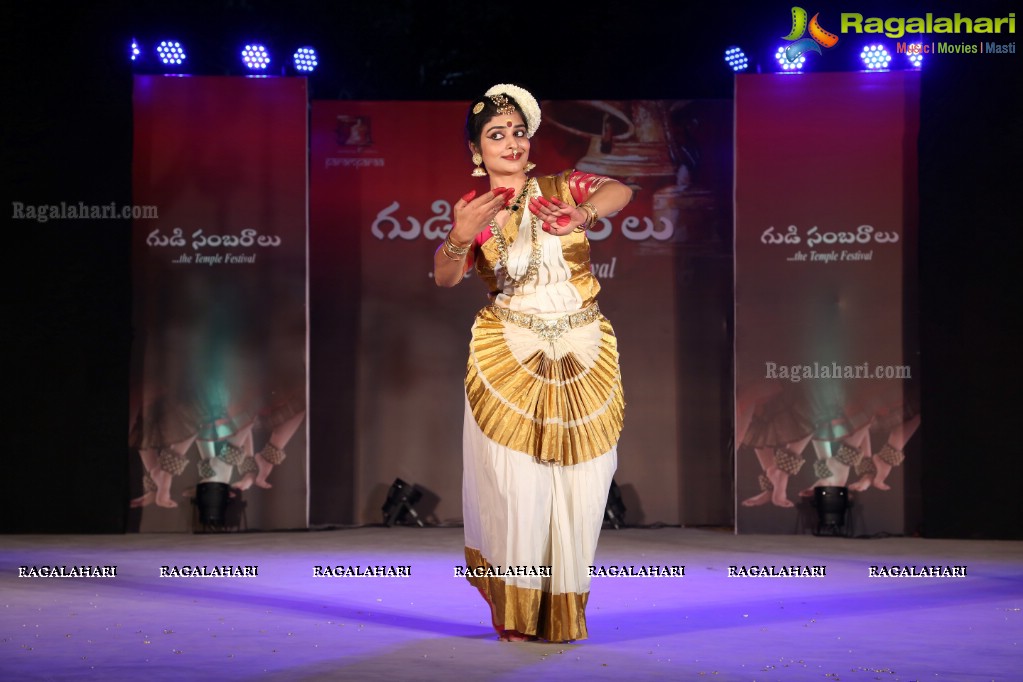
x=502, y=250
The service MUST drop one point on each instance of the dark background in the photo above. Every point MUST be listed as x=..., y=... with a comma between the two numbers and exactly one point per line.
x=67, y=116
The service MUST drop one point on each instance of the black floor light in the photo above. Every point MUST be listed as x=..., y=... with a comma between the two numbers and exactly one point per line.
x=832, y=503
x=401, y=500
x=212, y=499
x=614, y=512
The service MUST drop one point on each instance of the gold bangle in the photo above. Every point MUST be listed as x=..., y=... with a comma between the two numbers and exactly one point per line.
x=591, y=217
x=452, y=256
x=456, y=249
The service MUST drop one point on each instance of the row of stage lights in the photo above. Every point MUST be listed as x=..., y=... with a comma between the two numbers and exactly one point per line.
x=254, y=56
x=875, y=57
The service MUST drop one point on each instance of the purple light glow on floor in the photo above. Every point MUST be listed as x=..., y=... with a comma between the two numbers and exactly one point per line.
x=286, y=624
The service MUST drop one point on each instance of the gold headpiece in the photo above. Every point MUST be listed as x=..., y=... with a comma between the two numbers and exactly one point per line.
x=527, y=104
x=502, y=104
x=478, y=108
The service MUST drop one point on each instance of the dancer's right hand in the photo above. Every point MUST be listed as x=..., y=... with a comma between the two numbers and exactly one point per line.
x=473, y=213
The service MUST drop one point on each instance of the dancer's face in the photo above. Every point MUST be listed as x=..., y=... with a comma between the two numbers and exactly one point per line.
x=503, y=143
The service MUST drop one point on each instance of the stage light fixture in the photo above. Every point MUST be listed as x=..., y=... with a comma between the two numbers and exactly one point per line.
x=211, y=499
x=875, y=57
x=832, y=503
x=400, y=504
x=255, y=57
x=305, y=59
x=916, y=57
x=135, y=52
x=736, y=58
x=614, y=512
x=785, y=64
x=171, y=53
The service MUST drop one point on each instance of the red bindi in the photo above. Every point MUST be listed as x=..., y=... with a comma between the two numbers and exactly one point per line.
x=509, y=124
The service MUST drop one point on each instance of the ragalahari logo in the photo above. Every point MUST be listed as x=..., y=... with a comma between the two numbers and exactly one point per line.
x=818, y=36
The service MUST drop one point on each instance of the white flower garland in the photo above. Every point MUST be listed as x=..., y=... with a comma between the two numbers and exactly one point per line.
x=530, y=108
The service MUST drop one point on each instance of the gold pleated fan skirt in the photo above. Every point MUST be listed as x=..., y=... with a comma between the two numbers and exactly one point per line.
x=557, y=397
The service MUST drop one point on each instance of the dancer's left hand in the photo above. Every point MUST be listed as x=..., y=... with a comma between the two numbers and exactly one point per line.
x=558, y=217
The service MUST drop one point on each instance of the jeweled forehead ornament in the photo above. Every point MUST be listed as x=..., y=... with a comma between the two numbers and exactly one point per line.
x=503, y=105
x=527, y=104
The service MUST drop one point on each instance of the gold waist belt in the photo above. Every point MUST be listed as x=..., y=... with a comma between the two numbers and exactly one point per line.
x=549, y=329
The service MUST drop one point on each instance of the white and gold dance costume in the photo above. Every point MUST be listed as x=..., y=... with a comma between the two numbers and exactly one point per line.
x=544, y=409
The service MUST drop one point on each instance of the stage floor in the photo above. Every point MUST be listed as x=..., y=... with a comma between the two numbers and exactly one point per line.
x=286, y=624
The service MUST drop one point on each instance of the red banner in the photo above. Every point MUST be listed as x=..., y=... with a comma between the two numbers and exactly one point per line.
x=218, y=367
x=384, y=177
x=825, y=235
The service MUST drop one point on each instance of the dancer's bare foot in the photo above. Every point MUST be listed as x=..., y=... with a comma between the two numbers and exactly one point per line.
x=860, y=485
x=143, y=500
x=163, y=484
x=757, y=500
x=264, y=470
x=780, y=481
x=245, y=482
x=516, y=636
x=808, y=492
x=249, y=469
x=883, y=469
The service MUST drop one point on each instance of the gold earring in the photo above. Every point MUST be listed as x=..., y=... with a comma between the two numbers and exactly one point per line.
x=530, y=166
x=478, y=172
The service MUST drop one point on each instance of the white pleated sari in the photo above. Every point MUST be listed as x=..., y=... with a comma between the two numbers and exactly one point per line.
x=544, y=409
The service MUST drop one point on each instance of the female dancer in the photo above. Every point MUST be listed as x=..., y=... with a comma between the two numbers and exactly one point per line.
x=543, y=395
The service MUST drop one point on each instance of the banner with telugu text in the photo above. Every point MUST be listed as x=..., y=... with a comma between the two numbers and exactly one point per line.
x=826, y=352
x=218, y=385
x=384, y=177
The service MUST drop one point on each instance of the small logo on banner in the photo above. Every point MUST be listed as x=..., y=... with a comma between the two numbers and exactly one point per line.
x=800, y=44
x=353, y=131
x=355, y=147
